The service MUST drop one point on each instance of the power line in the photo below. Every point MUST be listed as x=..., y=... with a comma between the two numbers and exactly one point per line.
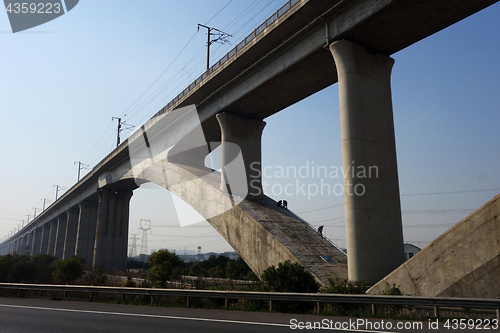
x=109, y=125
x=171, y=81
x=171, y=63
x=219, y=12
x=314, y=210
x=453, y=192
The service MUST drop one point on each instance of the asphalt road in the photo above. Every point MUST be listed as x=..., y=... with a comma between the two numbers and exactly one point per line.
x=46, y=316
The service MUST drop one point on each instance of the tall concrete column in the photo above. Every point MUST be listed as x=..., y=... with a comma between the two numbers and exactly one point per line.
x=243, y=135
x=29, y=243
x=71, y=231
x=24, y=244
x=44, y=244
x=110, y=251
x=371, y=187
x=85, y=239
x=52, y=237
x=37, y=238
x=62, y=221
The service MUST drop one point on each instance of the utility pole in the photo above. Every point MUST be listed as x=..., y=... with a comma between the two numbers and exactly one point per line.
x=220, y=37
x=44, y=202
x=34, y=216
x=80, y=167
x=58, y=188
x=119, y=129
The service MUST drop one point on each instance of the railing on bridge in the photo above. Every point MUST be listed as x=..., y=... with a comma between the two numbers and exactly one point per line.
x=316, y=230
x=233, y=52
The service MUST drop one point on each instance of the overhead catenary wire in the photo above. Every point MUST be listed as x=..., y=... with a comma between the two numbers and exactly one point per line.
x=186, y=83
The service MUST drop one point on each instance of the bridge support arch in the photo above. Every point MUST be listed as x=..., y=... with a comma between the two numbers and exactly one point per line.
x=371, y=187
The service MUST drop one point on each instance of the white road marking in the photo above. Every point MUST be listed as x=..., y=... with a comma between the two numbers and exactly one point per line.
x=173, y=317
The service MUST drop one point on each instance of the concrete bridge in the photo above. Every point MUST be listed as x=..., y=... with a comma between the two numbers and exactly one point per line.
x=306, y=46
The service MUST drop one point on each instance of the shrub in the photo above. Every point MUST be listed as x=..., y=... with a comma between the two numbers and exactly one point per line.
x=289, y=277
x=68, y=270
x=163, y=264
x=129, y=283
x=344, y=286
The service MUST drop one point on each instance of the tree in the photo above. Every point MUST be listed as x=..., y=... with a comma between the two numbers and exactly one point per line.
x=163, y=264
x=289, y=277
x=68, y=270
x=6, y=265
x=237, y=269
x=44, y=265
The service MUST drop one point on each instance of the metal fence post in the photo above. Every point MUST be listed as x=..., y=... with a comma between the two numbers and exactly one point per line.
x=436, y=311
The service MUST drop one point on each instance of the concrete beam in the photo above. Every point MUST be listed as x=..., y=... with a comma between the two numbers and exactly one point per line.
x=371, y=188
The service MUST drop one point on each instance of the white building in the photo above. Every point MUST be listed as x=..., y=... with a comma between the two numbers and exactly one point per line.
x=410, y=251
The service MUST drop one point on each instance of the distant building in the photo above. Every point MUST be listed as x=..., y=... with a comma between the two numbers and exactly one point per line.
x=231, y=255
x=410, y=250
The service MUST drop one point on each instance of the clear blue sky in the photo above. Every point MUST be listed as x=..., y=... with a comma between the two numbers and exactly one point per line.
x=62, y=82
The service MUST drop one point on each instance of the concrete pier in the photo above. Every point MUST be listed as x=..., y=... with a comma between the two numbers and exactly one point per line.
x=71, y=230
x=62, y=221
x=85, y=239
x=37, y=239
x=371, y=188
x=44, y=244
x=52, y=237
x=111, y=242
x=243, y=135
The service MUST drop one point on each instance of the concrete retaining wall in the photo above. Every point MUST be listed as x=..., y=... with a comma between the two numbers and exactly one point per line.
x=463, y=262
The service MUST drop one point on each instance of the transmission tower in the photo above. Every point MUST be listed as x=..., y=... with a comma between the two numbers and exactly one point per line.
x=145, y=227
x=133, y=246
